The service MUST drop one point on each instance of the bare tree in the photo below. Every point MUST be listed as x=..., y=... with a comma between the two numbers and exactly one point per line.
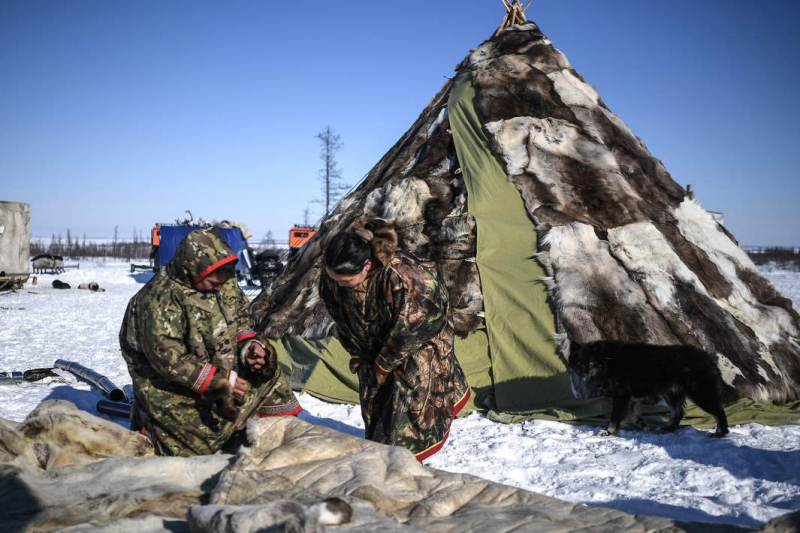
x=269, y=239
x=306, y=218
x=330, y=173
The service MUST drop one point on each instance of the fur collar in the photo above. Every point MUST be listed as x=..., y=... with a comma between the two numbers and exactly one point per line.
x=382, y=237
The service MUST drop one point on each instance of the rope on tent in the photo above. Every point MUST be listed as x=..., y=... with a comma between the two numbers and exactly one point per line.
x=515, y=14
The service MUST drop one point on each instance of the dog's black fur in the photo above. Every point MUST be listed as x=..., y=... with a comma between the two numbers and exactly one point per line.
x=631, y=372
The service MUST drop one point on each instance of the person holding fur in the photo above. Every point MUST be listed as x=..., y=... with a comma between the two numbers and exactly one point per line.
x=392, y=314
x=199, y=371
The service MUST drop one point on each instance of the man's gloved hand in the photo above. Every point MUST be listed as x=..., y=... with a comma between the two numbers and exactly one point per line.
x=261, y=359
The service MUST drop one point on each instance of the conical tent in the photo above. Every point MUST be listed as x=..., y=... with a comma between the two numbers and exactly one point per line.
x=546, y=215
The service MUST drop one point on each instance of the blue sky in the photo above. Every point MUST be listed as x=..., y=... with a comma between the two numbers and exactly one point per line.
x=122, y=113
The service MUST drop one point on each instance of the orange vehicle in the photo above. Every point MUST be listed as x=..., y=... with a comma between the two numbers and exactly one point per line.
x=155, y=241
x=298, y=236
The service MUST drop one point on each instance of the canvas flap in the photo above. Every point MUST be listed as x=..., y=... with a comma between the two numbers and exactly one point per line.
x=528, y=374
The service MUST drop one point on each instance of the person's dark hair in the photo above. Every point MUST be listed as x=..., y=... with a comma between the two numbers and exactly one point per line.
x=346, y=254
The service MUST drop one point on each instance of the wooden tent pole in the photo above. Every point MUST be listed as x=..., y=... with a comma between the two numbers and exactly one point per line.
x=502, y=25
x=515, y=14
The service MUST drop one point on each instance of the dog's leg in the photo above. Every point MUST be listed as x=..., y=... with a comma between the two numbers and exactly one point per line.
x=619, y=409
x=675, y=400
x=636, y=417
x=711, y=403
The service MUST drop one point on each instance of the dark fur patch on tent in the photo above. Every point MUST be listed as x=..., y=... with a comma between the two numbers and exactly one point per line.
x=630, y=256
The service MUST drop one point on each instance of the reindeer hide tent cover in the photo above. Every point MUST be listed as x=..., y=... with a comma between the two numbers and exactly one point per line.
x=546, y=215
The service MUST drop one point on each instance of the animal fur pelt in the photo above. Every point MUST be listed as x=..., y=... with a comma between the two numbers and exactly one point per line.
x=281, y=515
x=631, y=257
x=56, y=433
x=295, y=476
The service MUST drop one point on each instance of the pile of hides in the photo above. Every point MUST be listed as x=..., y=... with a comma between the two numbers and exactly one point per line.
x=63, y=469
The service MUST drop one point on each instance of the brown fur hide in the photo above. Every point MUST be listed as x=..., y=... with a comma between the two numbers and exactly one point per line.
x=56, y=434
x=630, y=257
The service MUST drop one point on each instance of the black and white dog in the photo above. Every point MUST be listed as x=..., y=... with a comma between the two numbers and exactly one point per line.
x=629, y=372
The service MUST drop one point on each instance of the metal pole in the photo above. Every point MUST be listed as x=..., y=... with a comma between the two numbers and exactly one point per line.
x=98, y=380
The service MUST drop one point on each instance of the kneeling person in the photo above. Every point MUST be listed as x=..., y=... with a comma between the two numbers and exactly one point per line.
x=198, y=369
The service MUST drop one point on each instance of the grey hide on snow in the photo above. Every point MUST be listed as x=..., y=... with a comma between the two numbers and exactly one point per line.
x=617, y=233
x=294, y=477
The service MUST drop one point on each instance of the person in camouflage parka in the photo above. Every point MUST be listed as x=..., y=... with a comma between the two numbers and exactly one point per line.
x=392, y=315
x=198, y=369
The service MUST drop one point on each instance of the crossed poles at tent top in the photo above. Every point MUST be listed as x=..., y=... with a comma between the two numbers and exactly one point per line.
x=515, y=14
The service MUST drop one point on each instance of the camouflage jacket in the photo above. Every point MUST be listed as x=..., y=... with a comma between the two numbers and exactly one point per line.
x=398, y=322
x=175, y=339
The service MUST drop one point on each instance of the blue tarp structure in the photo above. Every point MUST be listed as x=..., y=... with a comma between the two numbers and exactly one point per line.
x=172, y=235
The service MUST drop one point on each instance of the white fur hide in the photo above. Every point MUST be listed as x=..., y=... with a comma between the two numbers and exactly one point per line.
x=648, y=255
x=769, y=323
x=588, y=279
x=537, y=146
x=573, y=91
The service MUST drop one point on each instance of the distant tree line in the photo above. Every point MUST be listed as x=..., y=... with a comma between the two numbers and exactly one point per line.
x=783, y=258
x=139, y=247
x=136, y=248
x=72, y=247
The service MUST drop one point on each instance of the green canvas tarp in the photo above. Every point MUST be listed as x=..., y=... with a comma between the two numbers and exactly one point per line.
x=527, y=372
x=321, y=368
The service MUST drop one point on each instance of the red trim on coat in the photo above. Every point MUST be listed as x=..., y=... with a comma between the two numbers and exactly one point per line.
x=294, y=412
x=382, y=371
x=421, y=456
x=205, y=384
x=204, y=274
x=244, y=335
x=461, y=403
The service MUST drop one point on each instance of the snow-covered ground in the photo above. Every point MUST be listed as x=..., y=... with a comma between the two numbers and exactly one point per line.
x=746, y=479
